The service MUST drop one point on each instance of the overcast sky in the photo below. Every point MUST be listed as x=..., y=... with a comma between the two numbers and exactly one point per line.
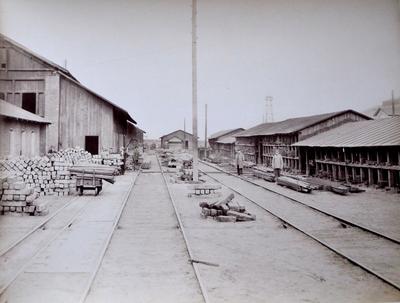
x=312, y=56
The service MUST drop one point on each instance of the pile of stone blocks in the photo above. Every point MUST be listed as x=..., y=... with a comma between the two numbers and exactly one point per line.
x=47, y=175
x=20, y=199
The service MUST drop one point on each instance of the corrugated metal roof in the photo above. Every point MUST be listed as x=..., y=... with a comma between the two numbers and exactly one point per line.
x=15, y=112
x=225, y=132
x=289, y=125
x=381, y=132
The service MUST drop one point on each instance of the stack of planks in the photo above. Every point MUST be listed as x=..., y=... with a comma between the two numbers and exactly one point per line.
x=20, y=199
x=225, y=210
x=267, y=176
x=104, y=172
x=292, y=183
x=146, y=165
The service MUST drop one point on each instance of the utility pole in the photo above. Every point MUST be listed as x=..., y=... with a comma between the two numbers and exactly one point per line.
x=184, y=133
x=205, y=135
x=393, y=108
x=194, y=92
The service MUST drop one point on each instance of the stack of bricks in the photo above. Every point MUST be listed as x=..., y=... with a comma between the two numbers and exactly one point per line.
x=20, y=199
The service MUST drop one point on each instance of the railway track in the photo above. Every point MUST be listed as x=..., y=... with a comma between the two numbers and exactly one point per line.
x=192, y=260
x=62, y=220
x=22, y=244
x=379, y=255
x=343, y=220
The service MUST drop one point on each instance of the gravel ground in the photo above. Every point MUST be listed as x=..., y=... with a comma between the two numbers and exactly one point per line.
x=262, y=261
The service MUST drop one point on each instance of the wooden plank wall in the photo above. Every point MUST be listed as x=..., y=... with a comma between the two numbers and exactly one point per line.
x=84, y=114
x=19, y=138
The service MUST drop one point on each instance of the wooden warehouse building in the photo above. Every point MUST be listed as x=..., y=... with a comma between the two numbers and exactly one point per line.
x=223, y=142
x=360, y=152
x=77, y=116
x=259, y=143
x=176, y=140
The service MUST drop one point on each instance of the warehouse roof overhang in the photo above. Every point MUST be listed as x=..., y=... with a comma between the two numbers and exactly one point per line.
x=11, y=111
x=371, y=133
x=227, y=140
x=292, y=125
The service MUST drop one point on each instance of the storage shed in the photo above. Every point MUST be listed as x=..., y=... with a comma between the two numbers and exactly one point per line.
x=78, y=116
x=259, y=143
x=360, y=152
x=223, y=142
x=178, y=139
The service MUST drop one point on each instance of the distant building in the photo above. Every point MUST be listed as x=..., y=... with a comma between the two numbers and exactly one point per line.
x=178, y=139
x=359, y=152
x=75, y=115
x=223, y=142
x=259, y=143
x=386, y=109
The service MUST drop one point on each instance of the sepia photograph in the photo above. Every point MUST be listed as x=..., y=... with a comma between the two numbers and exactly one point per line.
x=199, y=151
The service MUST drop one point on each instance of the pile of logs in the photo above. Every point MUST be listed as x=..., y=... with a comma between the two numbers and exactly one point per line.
x=267, y=176
x=104, y=172
x=19, y=199
x=226, y=210
x=295, y=184
x=146, y=165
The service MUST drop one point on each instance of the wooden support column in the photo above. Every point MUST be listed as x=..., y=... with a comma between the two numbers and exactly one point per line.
x=390, y=178
x=334, y=172
x=346, y=173
x=307, y=164
x=370, y=177
x=353, y=173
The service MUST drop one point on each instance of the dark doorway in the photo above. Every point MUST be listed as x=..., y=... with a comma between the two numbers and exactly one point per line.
x=92, y=144
x=29, y=102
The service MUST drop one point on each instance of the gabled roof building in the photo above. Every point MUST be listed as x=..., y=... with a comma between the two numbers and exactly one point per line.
x=76, y=115
x=259, y=142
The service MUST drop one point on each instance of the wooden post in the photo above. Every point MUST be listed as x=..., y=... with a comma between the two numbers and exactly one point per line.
x=194, y=92
x=307, y=164
x=205, y=133
x=370, y=177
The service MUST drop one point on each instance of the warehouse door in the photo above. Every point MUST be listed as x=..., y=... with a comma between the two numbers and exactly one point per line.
x=92, y=144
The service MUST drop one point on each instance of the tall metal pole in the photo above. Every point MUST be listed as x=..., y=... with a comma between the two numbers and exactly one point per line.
x=194, y=92
x=184, y=133
x=205, y=135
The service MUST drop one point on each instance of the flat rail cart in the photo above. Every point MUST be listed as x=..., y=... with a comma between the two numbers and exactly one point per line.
x=84, y=182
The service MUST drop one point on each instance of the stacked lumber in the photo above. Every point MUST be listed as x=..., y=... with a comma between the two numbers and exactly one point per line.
x=267, y=176
x=146, y=165
x=20, y=199
x=226, y=210
x=104, y=172
x=291, y=183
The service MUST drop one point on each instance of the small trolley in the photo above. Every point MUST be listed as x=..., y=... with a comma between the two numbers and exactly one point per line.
x=85, y=182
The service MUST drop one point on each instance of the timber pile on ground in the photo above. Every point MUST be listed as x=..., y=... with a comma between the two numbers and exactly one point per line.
x=19, y=199
x=267, y=176
x=146, y=165
x=226, y=210
x=295, y=184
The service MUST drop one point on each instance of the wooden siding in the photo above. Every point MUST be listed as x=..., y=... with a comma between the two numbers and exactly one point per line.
x=84, y=114
x=20, y=138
